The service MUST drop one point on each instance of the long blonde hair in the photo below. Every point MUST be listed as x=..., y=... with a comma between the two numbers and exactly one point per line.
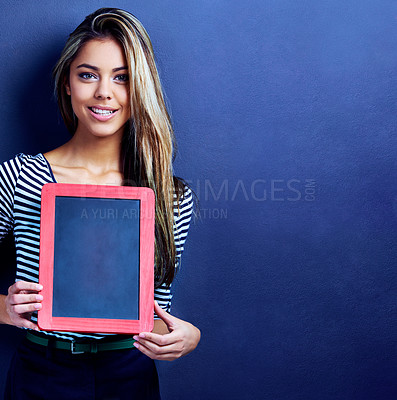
x=148, y=140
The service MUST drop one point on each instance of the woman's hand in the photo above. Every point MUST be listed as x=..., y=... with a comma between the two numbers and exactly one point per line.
x=22, y=300
x=182, y=339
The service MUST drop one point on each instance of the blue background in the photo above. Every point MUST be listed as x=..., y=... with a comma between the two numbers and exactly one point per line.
x=286, y=117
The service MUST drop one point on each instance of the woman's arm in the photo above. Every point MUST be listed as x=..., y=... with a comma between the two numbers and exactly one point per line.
x=4, y=317
x=171, y=338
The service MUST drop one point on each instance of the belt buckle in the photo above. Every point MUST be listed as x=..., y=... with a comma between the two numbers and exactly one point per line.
x=72, y=348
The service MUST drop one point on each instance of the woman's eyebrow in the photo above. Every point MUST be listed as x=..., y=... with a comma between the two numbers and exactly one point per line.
x=97, y=69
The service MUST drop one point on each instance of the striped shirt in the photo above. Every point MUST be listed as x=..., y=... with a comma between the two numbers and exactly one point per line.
x=21, y=181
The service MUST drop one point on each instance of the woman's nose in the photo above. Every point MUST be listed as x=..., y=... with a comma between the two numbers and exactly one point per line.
x=103, y=90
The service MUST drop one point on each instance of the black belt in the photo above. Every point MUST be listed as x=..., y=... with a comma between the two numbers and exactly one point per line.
x=79, y=348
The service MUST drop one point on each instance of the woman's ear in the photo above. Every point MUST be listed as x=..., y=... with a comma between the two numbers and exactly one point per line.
x=67, y=87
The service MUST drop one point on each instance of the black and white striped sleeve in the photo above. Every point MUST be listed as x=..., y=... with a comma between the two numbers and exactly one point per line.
x=9, y=172
x=182, y=218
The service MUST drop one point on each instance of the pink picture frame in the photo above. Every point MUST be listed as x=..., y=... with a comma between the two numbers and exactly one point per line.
x=52, y=271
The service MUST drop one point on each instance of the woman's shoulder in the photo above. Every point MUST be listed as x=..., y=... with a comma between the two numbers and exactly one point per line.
x=16, y=163
x=11, y=168
x=185, y=196
x=183, y=201
x=22, y=158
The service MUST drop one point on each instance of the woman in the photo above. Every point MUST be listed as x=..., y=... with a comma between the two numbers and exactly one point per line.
x=111, y=100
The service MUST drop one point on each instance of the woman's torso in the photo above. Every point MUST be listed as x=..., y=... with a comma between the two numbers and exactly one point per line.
x=22, y=179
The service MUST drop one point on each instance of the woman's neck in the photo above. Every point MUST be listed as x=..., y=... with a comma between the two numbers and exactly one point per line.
x=91, y=159
x=96, y=154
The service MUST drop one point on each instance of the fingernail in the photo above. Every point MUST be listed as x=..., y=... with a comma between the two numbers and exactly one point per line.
x=39, y=297
x=37, y=306
x=37, y=329
x=136, y=337
x=39, y=287
x=136, y=345
x=142, y=335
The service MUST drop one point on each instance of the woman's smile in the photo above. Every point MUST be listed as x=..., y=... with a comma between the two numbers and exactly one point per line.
x=102, y=113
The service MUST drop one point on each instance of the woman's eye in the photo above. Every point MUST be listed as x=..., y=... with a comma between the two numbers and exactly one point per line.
x=86, y=75
x=122, y=78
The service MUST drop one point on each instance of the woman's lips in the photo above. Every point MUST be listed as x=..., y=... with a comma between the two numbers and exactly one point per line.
x=102, y=114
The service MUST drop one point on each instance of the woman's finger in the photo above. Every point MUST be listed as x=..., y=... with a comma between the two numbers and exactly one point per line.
x=166, y=317
x=153, y=355
x=158, y=350
x=26, y=308
x=24, y=323
x=160, y=340
x=23, y=285
x=25, y=298
x=174, y=346
x=171, y=343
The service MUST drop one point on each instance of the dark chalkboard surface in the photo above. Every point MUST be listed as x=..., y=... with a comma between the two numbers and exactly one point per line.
x=96, y=258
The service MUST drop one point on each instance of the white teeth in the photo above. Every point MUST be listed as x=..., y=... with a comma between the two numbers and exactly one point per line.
x=101, y=112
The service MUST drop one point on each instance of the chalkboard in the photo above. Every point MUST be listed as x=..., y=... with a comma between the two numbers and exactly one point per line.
x=96, y=258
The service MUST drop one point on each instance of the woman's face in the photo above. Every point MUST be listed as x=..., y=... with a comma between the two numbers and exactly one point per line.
x=98, y=86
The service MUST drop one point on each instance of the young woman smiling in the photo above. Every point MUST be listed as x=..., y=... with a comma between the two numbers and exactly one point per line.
x=111, y=100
